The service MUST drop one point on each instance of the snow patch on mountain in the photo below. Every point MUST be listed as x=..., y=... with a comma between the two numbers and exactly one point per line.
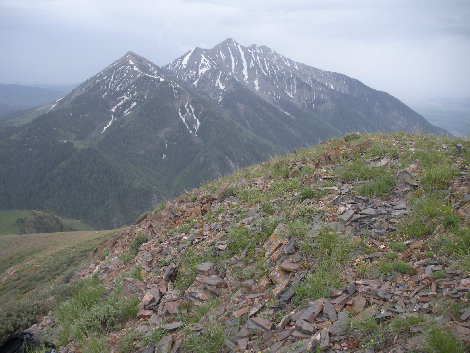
x=55, y=103
x=184, y=63
x=290, y=115
x=108, y=124
x=245, y=68
x=123, y=99
x=189, y=118
x=256, y=84
x=128, y=110
x=232, y=60
x=218, y=83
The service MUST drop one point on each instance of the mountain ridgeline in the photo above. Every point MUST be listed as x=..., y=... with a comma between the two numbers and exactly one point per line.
x=136, y=134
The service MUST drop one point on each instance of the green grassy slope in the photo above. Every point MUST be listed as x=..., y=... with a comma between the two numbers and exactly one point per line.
x=28, y=221
x=35, y=266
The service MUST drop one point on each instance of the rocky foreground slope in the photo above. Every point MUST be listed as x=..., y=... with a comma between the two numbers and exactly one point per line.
x=360, y=244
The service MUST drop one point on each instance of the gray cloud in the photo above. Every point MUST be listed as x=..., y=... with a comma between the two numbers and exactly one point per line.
x=410, y=48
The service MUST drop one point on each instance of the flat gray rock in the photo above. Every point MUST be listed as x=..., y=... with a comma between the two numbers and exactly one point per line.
x=205, y=268
x=330, y=311
x=312, y=311
x=304, y=327
x=259, y=323
x=173, y=326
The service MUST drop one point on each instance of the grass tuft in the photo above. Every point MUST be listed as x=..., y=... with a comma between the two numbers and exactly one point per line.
x=210, y=340
x=436, y=178
x=379, y=186
x=89, y=312
x=443, y=341
x=329, y=251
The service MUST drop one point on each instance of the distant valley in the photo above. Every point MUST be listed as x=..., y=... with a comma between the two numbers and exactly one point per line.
x=135, y=134
x=28, y=222
x=452, y=114
x=15, y=99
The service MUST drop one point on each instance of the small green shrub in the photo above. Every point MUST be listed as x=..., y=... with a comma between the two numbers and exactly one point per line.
x=126, y=257
x=365, y=325
x=89, y=313
x=155, y=336
x=459, y=243
x=201, y=311
x=306, y=193
x=267, y=207
x=373, y=334
x=428, y=156
x=139, y=239
x=438, y=275
x=280, y=170
x=382, y=150
x=209, y=340
x=352, y=136
x=443, y=341
x=307, y=213
x=358, y=170
x=187, y=271
x=451, y=220
x=428, y=211
x=20, y=314
x=135, y=272
x=128, y=342
x=379, y=186
x=398, y=246
x=231, y=191
x=317, y=285
x=95, y=344
x=448, y=308
x=384, y=268
x=326, y=246
x=331, y=246
x=239, y=239
x=417, y=227
x=189, y=260
x=403, y=267
x=403, y=324
x=328, y=250
x=104, y=254
x=437, y=177
x=251, y=196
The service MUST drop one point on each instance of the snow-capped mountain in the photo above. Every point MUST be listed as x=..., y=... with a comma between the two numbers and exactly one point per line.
x=120, y=143
x=337, y=102
x=106, y=99
x=259, y=68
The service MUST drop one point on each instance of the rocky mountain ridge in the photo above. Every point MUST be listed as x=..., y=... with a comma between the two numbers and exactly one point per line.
x=360, y=245
x=336, y=103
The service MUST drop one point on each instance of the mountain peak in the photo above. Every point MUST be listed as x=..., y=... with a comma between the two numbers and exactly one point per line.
x=133, y=59
x=229, y=41
x=130, y=54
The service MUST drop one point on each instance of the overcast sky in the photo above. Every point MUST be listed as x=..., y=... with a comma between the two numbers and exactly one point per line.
x=413, y=49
